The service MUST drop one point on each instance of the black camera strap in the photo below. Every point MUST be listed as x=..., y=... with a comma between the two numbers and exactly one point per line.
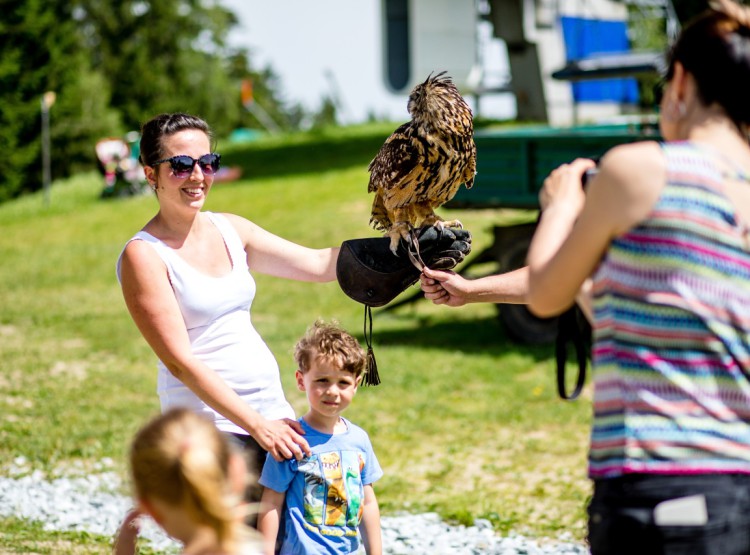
x=571, y=329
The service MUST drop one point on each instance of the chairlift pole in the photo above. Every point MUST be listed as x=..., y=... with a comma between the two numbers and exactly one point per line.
x=248, y=101
x=48, y=99
x=262, y=116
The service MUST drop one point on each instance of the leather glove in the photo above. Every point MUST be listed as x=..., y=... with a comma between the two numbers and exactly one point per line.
x=369, y=273
x=439, y=248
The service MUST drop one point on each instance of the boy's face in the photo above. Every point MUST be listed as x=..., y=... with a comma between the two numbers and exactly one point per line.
x=329, y=389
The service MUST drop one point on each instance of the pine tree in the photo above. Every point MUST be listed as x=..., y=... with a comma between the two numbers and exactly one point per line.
x=114, y=64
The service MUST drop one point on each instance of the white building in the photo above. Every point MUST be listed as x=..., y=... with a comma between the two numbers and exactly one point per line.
x=368, y=54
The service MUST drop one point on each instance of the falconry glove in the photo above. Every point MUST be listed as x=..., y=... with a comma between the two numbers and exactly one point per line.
x=439, y=248
x=369, y=273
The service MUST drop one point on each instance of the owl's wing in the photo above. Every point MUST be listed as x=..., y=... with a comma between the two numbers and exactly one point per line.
x=471, y=167
x=392, y=170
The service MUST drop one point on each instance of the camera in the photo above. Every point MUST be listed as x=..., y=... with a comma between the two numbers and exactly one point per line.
x=590, y=173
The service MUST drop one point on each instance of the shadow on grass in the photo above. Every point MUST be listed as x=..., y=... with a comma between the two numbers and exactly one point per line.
x=481, y=335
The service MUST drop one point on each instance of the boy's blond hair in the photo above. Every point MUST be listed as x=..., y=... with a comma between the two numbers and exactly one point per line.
x=332, y=344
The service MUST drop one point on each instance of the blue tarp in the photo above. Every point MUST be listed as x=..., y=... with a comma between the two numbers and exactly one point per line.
x=586, y=37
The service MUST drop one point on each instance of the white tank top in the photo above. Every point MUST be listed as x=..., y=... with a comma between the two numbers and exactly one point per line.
x=216, y=311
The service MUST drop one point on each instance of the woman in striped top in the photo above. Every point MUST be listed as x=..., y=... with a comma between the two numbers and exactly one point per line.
x=663, y=231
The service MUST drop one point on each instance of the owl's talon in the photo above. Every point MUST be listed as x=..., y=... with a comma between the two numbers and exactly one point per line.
x=399, y=231
x=451, y=223
x=394, y=245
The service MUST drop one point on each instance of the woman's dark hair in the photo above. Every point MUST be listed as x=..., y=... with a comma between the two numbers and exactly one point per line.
x=714, y=47
x=155, y=130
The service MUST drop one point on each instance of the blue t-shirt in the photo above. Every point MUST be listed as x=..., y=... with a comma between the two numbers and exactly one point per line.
x=324, y=492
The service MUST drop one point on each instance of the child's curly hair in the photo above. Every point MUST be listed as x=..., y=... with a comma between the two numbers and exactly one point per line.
x=332, y=344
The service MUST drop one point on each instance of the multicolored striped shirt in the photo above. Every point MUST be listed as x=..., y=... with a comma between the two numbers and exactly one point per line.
x=671, y=353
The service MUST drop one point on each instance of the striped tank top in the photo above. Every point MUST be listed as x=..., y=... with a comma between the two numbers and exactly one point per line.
x=671, y=352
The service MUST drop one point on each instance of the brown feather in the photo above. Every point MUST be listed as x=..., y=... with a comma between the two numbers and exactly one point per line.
x=424, y=162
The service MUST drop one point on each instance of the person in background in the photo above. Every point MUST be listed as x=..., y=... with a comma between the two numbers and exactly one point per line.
x=190, y=480
x=663, y=232
x=325, y=499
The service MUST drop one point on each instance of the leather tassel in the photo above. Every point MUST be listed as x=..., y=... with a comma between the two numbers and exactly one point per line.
x=371, y=376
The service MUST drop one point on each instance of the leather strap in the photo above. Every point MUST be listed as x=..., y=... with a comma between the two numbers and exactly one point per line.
x=569, y=331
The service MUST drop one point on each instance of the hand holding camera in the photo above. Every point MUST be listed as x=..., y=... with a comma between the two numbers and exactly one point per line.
x=563, y=186
x=588, y=175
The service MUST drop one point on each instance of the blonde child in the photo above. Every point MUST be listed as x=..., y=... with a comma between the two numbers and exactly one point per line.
x=190, y=481
x=326, y=501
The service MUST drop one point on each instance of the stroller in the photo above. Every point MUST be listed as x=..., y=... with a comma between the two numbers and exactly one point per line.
x=118, y=162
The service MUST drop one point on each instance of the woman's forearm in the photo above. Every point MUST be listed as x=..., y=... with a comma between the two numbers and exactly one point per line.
x=208, y=386
x=511, y=288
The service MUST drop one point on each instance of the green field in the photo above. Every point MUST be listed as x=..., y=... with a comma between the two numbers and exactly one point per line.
x=465, y=423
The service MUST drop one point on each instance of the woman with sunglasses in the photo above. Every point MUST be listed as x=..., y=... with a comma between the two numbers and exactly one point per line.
x=186, y=283
x=664, y=232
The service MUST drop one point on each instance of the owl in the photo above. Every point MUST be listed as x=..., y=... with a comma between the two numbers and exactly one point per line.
x=424, y=162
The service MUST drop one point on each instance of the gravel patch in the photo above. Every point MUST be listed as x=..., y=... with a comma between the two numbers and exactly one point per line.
x=426, y=534
x=92, y=503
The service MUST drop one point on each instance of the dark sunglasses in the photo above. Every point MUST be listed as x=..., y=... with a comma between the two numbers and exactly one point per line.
x=182, y=165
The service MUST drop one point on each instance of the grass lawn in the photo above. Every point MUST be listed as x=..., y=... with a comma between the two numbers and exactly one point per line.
x=465, y=423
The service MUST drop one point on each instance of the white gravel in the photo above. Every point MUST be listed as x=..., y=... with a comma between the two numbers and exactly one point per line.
x=92, y=502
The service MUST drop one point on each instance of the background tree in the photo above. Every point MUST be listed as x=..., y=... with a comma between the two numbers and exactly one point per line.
x=163, y=56
x=687, y=9
x=41, y=53
x=113, y=64
x=649, y=32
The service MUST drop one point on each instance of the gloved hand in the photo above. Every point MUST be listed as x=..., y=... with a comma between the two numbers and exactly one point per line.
x=439, y=248
x=369, y=273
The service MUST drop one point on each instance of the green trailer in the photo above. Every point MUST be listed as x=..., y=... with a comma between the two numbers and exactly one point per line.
x=512, y=164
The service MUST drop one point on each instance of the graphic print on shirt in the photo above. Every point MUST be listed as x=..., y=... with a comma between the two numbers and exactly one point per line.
x=333, y=488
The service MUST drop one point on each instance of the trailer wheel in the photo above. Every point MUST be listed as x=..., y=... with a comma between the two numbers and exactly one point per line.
x=519, y=323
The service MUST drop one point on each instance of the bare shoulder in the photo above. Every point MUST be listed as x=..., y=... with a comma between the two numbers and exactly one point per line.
x=244, y=227
x=634, y=165
x=238, y=222
x=630, y=180
x=139, y=262
x=138, y=251
x=234, y=219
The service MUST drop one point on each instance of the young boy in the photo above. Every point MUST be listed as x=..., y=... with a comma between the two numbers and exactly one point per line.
x=327, y=497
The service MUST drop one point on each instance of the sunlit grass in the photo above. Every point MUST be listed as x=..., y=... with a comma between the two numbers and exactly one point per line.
x=465, y=423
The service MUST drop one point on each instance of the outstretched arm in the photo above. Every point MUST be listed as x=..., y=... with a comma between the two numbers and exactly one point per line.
x=370, y=525
x=126, y=540
x=271, y=505
x=449, y=288
x=273, y=255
